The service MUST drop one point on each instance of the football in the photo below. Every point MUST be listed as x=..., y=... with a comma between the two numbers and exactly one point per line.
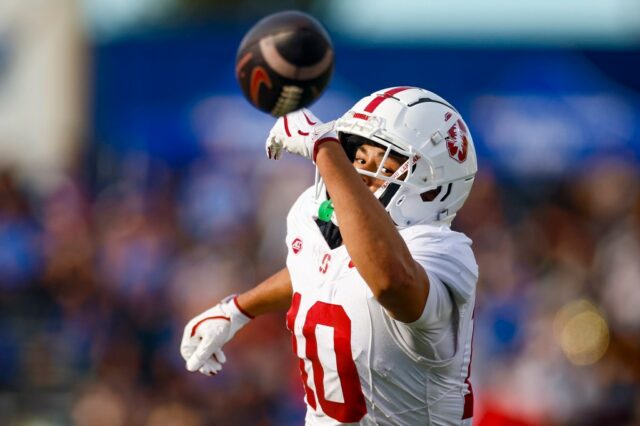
x=284, y=62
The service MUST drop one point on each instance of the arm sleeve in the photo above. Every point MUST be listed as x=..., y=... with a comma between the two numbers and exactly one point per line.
x=433, y=334
x=447, y=258
x=437, y=310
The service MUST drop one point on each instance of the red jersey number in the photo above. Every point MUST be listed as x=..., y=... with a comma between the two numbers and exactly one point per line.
x=353, y=408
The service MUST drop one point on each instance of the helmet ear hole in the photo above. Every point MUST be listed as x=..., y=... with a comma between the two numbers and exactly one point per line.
x=431, y=195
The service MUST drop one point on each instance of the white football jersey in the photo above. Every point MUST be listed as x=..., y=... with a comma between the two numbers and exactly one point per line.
x=359, y=365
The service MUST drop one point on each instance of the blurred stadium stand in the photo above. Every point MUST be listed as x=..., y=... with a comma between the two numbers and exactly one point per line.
x=134, y=193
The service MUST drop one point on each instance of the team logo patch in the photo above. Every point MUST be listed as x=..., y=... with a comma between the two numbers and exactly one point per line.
x=457, y=141
x=324, y=265
x=296, y=245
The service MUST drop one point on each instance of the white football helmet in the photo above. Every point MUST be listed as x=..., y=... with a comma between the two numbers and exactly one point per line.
x=433, y=184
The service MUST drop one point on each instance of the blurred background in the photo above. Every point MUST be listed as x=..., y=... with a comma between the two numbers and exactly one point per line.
x=134, y=193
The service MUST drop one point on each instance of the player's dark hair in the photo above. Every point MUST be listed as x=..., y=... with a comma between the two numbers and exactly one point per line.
x=351, y=143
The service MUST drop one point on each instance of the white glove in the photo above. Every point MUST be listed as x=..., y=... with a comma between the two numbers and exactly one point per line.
x=205, y=335
x=299, y=132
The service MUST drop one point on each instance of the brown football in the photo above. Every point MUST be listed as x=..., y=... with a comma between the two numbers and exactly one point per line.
x=284, y=62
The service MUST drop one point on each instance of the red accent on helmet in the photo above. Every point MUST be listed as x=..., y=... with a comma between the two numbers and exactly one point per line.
x=386, y=95
x=462, y=126
x=360, y=116
x=457, y=142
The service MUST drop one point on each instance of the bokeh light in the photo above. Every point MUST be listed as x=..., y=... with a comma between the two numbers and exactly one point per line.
x=582, y=332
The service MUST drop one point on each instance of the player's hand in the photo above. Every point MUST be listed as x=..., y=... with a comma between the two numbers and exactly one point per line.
x=299, y=133
x=206, y=333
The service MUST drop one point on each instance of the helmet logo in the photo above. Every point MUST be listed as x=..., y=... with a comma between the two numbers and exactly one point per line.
x=296, y=245
x=457, y=142
x=447, y=116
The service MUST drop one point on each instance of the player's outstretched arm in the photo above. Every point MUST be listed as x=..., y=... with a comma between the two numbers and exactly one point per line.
x=272, y=295
x=206, y=334
x=378, y=251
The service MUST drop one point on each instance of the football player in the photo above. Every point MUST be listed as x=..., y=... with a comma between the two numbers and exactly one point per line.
x=380, y=291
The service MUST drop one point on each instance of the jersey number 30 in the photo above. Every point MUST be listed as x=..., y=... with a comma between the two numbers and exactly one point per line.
x=353, y=408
